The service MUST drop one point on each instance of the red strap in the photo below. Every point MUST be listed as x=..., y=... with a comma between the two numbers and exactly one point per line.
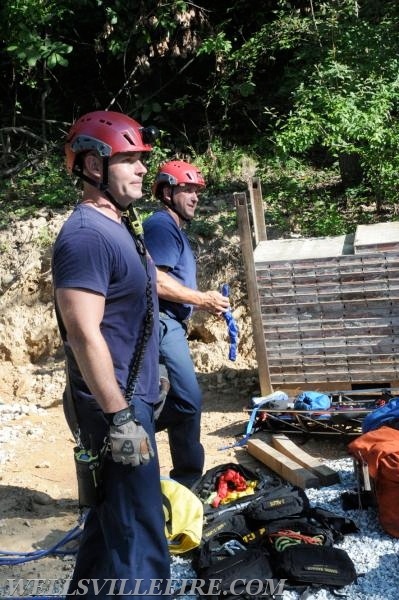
x=230, y=480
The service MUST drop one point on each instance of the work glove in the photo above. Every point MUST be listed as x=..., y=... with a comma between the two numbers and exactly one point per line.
x=164, y=386
x=129, y=442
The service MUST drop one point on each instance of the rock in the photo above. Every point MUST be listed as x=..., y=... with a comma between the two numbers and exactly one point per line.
x=42, y=498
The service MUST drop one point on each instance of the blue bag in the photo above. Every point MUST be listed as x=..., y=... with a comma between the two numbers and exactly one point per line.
x=381, y=416
x=312, y=401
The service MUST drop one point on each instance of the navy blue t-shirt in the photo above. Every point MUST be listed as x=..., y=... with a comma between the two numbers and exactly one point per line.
x=96, y=253
x=169, y=247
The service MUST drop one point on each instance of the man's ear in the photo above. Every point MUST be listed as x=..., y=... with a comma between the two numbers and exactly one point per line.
x=167, y=193
x=93, y=165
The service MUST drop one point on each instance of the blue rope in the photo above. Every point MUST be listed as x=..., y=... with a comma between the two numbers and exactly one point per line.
x=231, y=326
x=249, y=428
x=17, y=558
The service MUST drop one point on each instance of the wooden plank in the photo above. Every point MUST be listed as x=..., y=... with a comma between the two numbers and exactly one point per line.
x=310, y=253
x=357, y=273
x=282, y=465
x=333, y=310
x=343, y=296
x=287, y=447
x=315, y=334
x=253, y=296
x=281, y=324
x=326, y=377
x=335, y=346
x=378, y=236
x=322, y=367
x=258, y=211
x=304, y=248
x=314, y=359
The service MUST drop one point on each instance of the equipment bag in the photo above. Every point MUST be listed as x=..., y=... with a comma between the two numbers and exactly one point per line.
x=285, y=533
x=183, y=513
x=277, y=501
x=312, y=401
x=337, y=524
x=228, y=487
x=224, y=522
x=224, y=536
x=218, y=548
x=381, y=416
x=379, y=449
x=304, y=565
x=248, y=574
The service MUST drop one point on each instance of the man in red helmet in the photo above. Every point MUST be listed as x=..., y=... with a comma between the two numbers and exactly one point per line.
x=177, y=185
x=106, y=305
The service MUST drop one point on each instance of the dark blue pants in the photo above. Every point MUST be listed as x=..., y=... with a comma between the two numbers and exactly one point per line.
x=181, y=415
x=124, y=537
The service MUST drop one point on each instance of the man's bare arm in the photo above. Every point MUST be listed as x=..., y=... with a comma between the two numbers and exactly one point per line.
x=82, y=312
x=170, y=289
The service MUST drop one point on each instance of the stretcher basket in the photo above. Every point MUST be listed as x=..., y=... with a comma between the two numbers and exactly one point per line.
x=344, y=417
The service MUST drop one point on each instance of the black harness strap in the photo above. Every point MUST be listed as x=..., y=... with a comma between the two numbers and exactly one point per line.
x=135, y=228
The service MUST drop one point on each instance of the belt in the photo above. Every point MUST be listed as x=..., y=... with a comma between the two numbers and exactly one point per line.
x=183, y=322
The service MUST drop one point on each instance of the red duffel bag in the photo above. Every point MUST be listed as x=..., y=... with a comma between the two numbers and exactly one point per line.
x=379, y=450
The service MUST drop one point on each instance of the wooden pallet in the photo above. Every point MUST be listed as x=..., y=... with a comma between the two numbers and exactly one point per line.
x=330, y=312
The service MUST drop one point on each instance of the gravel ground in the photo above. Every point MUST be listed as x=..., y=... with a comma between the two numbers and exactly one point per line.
x=374, y=553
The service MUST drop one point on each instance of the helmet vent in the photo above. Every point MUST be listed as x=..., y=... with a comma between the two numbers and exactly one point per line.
x=128, y=139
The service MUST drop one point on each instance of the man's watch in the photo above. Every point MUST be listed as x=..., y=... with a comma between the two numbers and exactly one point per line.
x=120, y=417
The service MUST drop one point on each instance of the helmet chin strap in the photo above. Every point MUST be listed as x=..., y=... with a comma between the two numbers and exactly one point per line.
x=103, y=185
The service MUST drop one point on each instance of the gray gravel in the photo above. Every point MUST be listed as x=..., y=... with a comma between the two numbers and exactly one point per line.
x=374, y=553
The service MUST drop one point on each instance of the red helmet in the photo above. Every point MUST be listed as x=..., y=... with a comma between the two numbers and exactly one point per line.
x=177, y=172
x=107, y=133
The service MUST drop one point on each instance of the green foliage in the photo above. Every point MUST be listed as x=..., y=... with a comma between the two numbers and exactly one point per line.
x=28, y=26
x=203, y=227
x=43, y=238
x=223, y=168
x=49, y=187
x=348, y=100
x=283, y=90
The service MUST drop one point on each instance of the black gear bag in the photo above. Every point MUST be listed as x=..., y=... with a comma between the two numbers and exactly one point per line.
x=247, y=574
x=311, y=565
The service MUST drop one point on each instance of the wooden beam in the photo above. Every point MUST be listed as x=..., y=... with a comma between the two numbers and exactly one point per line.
x=287, y=447
x=258, y=212
x=244, y=229
x=285, y=467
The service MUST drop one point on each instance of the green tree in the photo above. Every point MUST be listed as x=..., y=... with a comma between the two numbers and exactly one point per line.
x=347, y=97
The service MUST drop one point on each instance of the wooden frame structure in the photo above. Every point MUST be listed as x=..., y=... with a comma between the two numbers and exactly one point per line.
x=325, y=311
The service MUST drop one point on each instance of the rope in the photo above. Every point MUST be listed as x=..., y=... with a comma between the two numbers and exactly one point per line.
x=286, y=537
x=231, y=326
x=17, y=558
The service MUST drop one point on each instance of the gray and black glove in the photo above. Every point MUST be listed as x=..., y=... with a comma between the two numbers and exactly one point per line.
x=129, y=441
x=164, y=386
